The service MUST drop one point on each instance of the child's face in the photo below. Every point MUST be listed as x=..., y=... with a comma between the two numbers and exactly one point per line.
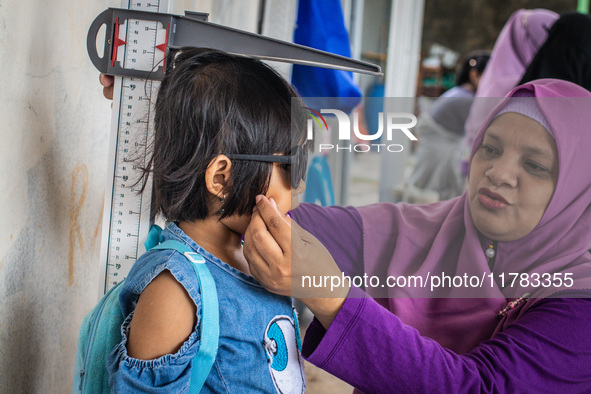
x=280, y=189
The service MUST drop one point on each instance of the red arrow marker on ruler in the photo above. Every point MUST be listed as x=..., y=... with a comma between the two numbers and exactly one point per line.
x=118, y=42
x=162, y=47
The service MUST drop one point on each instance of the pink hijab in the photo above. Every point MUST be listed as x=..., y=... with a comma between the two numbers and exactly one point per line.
x=403, y=239
x=519, y=41
x=521, y=37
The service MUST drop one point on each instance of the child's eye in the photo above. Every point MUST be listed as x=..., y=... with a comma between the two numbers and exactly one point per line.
x=287, y=169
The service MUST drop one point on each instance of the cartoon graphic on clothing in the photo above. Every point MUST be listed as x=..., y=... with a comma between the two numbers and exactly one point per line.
x=282, y=345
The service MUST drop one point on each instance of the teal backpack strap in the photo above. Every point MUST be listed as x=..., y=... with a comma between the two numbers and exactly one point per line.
x=210, y=319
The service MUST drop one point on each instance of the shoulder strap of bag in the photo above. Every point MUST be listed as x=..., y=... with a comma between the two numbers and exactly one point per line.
x=210, y=320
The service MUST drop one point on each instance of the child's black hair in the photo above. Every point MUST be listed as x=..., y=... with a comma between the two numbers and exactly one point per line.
x=212, y=103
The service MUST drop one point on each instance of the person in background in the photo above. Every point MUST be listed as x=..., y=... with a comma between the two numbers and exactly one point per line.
x=526, y=214
x=566, y=54
x=441, y=131
x=519, y=40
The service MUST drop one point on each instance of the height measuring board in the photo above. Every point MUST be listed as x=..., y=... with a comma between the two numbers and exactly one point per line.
x=137, y=41
x=140, y=45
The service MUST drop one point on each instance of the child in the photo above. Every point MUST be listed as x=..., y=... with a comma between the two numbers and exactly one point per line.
x=223, y=134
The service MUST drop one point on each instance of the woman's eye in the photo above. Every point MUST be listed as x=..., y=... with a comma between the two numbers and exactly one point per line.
x=488, y=150
x=536, y=168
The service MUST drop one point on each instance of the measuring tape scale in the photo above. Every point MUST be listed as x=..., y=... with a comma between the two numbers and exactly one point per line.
x=138, y=45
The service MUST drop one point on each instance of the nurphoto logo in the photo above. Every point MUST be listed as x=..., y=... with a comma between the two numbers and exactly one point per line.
x=397, y=124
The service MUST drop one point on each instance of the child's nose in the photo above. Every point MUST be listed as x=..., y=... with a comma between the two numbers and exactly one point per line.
x=299, y=190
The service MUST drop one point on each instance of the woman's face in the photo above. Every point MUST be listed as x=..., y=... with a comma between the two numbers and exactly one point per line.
x=512, y=177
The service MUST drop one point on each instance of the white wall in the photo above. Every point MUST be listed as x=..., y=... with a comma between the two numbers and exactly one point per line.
x=54, y=125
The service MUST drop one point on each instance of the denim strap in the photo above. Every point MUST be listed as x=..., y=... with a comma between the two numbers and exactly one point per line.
x=210, y=320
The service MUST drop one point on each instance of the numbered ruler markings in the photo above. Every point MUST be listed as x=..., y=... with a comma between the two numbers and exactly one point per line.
x=126, y=209
x=130, y=211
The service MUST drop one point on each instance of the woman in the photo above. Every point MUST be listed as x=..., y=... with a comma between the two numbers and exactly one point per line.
x=517, y=44
x=526, y=211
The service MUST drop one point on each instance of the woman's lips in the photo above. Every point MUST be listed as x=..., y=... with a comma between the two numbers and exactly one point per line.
x=491, y=200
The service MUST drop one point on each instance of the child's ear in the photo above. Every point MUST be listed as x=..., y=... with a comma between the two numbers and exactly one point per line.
x=218, y=174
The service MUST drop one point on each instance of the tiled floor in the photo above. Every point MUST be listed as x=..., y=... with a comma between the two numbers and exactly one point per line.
x=321, y=382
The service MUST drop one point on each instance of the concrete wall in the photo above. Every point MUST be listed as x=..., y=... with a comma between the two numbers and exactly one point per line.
x=53, y=152
x=54, y=126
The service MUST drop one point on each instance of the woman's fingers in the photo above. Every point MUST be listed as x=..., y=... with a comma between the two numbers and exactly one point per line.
x=107, y=82
x=281, y=255
x=268, y=262
x=277, y=223
x=257, y=270
x=259, y=245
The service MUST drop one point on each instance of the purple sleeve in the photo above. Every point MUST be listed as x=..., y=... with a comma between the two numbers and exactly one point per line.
x=339, y=229
x=547, y=350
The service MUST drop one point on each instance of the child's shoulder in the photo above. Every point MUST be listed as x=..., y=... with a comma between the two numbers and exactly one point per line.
x=164, y=317
x=162, y=291
x=159, y=332
x=152, y=263
x=163, y=273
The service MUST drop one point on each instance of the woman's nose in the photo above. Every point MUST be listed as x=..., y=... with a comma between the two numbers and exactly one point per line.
x=502, y=172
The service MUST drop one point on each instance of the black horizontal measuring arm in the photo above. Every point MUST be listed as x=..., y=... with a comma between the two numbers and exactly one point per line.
x=192, y=30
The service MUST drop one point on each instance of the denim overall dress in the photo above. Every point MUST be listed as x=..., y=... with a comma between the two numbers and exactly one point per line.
x=259, y=339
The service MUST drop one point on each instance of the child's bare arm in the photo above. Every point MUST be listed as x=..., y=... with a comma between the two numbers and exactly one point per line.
x=163, y=320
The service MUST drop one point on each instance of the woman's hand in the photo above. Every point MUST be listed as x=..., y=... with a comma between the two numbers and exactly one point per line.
x=280, y=254
x=107, y=82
